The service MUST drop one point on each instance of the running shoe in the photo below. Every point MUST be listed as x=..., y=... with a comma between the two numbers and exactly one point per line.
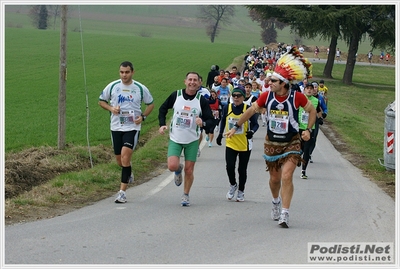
x=198, y=152
x=276, y=210
x=231, y=192
x=207, y=138
x=178, y=175
x=284, y=220
x=303, y=175
x=240, y=196
x=131, y=178
x=185, y=200
x=121, y=198
x=210, y=145
x=311, y=161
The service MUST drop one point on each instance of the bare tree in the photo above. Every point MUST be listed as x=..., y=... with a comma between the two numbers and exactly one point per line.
x=214, y=16
x=39, y=16
x=54, y=10
x=34, y=15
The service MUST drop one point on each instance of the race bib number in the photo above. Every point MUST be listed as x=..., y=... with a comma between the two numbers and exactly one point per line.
x=184, y=120
x=304, y=117
x=127, y=117
x=232, y=122
x=279, y=125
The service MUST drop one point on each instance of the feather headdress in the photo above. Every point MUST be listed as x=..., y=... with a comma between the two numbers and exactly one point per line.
x=293, y=66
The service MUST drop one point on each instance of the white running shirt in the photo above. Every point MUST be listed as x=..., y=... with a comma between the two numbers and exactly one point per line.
x=129, y=98
x=183, y=129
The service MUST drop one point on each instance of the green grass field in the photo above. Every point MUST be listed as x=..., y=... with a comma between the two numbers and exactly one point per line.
x=32, y=93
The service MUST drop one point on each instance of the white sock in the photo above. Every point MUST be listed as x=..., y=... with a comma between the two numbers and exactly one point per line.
x=276, y=200
x=285, y=210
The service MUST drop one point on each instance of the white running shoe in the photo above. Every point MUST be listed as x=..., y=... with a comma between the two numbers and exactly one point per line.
x=276, y=210
x=185, y=200
x=284, y=220
x=231, y=192
x=178, y=175
x=121, y=198
x=240, y=196
x=131, y=178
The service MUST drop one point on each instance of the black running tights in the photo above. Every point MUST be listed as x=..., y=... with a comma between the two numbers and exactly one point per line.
x=230, y=158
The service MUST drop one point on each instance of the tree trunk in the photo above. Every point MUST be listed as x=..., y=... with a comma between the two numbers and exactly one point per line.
x=331, y=58
x=351, y=59
x=214, y=32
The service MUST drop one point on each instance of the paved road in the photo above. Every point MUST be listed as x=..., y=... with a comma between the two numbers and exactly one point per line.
x=343, y=61
x=336, y=204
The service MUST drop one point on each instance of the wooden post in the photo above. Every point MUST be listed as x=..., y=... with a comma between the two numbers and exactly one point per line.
x=63, y=79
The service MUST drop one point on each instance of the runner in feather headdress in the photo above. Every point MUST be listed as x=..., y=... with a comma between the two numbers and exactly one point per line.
x=282, y=147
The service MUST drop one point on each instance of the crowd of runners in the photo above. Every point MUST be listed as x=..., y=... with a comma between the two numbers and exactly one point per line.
x=271, y=90
x=259, y=74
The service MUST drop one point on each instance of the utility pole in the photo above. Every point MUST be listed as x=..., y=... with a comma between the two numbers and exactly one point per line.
x=63, y=79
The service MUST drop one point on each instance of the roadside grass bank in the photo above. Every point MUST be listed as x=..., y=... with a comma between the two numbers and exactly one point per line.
x=80, y=187
x=356, y=118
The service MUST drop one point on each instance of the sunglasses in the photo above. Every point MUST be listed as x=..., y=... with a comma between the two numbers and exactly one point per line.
x=274, y=80
x=236, y=95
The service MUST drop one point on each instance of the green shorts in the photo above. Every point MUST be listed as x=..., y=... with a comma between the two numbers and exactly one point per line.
x=189, y=150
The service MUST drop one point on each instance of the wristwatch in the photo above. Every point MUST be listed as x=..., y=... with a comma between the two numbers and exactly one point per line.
x=143, y=117
x=310, y=130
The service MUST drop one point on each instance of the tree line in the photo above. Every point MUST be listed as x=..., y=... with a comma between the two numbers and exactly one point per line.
x=350, y=23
